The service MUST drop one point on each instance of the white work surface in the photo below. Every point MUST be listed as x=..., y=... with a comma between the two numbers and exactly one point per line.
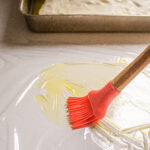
x=18, y=44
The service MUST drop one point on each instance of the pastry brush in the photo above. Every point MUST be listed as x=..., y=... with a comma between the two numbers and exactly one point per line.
x=87, y=110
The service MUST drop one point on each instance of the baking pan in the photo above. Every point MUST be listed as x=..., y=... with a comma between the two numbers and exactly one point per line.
x=82, y=23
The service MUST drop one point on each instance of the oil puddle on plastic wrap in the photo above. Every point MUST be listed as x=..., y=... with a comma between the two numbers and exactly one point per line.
x=127, y=123
x=23, y=125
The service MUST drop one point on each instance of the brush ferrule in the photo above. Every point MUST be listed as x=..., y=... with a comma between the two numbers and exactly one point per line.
x=101, y=99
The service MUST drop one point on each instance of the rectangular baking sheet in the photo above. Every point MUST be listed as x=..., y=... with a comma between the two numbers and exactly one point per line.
x=82, y=23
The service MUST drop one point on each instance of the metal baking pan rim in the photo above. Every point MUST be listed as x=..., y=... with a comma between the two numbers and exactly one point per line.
x=82, y=22
x=71, y=15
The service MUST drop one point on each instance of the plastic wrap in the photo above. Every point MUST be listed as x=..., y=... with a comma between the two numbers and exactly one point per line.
x=24, y=126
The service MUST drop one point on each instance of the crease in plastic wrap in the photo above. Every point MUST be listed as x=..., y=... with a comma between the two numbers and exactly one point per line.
x=37, y=119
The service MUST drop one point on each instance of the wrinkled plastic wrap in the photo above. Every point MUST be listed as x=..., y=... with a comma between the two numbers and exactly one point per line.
x=36, y=117
x=126, y=125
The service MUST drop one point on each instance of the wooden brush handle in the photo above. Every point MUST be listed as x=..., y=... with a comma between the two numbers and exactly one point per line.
x=130, y=72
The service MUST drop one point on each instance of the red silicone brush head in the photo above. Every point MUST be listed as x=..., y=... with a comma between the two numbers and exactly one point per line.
x=87, y=110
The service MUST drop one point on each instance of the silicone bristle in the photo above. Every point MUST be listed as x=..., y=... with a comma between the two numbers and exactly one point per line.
x=80, y=112
x=85, y=111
